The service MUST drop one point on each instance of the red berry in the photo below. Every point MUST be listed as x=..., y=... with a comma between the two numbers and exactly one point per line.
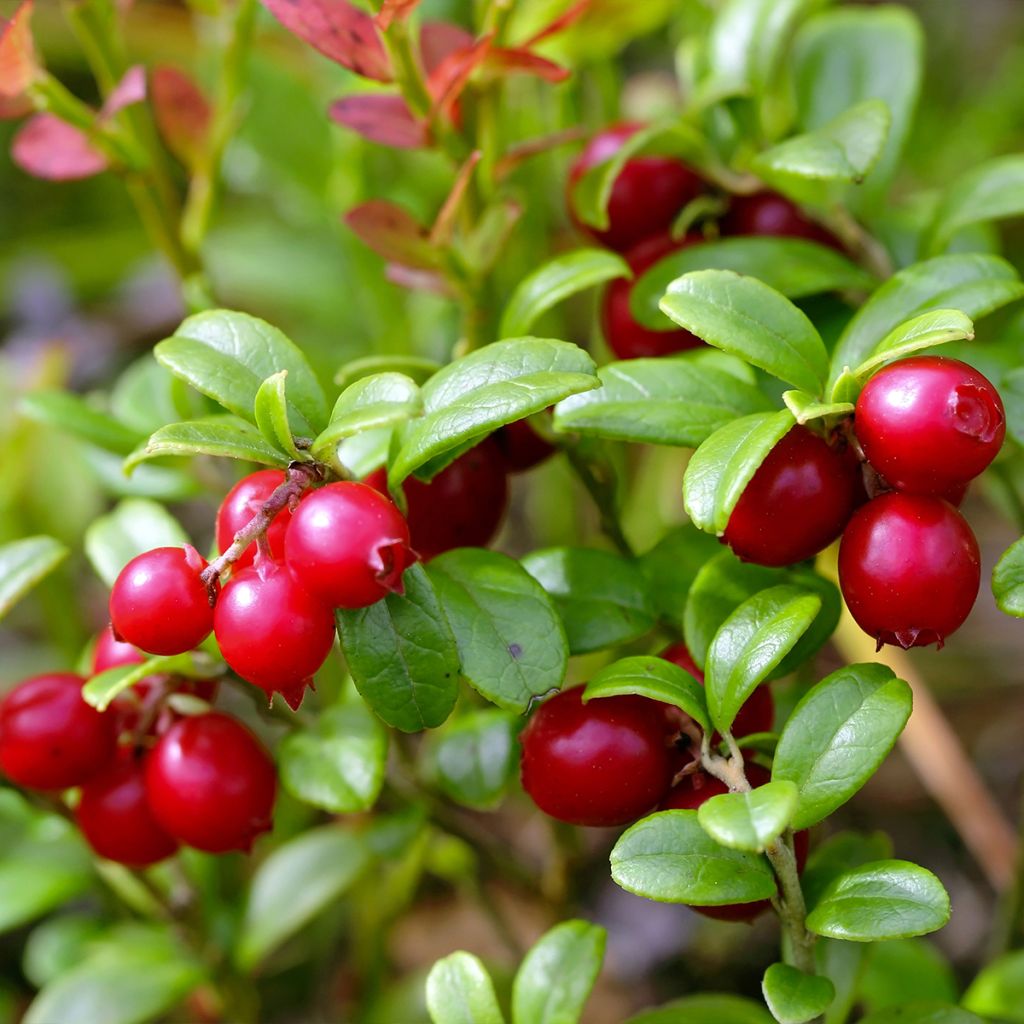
x=909, y=569
x=159, y=603
x=768, y=213
x=626, y=337
x=272, y=631
x=115, y=818
x=929, y=424
x=521, y=446
x=646, y=196
x=797, y=503
x=242, y=502
x=49, y=737
x=606, y=762
x=348, y=545
x=211, y=784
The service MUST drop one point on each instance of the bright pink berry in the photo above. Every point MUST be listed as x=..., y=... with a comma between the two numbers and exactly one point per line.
x=242, y=502
x=646, y=196
x=521, y=446
x=115, y=818
x=768, y=213
x=796, y=504
x=606, y=762
x=159, y=603
x=929, y=424
x=211, y=784
x=49, y=737
x=348, y=545
x=909, y=569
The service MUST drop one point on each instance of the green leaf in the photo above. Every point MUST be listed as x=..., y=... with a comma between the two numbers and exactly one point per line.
x=928, y=1012
x=1008, y=580
x=905, y=970
x=23, y=563
x=135, y=525
x=751, y=643
x=511, y=641
x=888, y=899
x=557, y=974
x=145, y=397
x=794, y=267
x=837, y=855
x=473, y=758
x=222, y=435
x=706, y=1008
x=668, y=857
x=843, y=964
x=271, y=410
x=460, y=991
x=416, y=367
x=601, y=598
x=227, y=356
x=39, y=876
x=924, y=331
x=294, y=884
x=402, y=655
x=58, y=944
x=795, y=997
x=101, y=689
x=805, y=407
x=998, y=990
x=654, y=678
x=494, y=385
x=743, y=316
x=675, y=401
x=838, y=735
x=553, y=282
x=337, y=763
x=719, y=471
x=749, y=821
x=77, y=417
x=672, y=565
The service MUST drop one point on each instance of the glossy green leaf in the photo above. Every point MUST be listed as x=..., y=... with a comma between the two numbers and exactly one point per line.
x=668, y=857
x=672, y=565
x=706, y=1008
x=73, y=415
x=135, y=525
x=998, y=990
x=146, y=397
x=926, y=1012
x=418, y=368
x=473, y=758
x=23, y=563
x=654, y=678
x=805, y=407
x=837, y=855
x=795, y=997
x=460, y=991
x=271, y=411
x=923, y=331
x=838, y=735
x=842, y=963
x=905, y=970
x=58, y=944
x=101, y=689
x=749, y=821
x=511, y=641
x=222, y=435
x=1008, y=580
x=39, y=875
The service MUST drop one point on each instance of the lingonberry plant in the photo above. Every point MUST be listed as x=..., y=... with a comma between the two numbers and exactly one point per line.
x=448, y=629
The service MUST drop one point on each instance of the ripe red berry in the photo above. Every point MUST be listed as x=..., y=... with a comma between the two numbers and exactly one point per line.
x=521, y=446
x=115, y=818
x=606, y=762
x=796, y=504
x=211, y=784
x=646, y=196
x=929, y=424
x=160, y=604
x=348, y=545
x=626, y=337
x=49, y=737
x=909, y=569
x=242, y=502
x=768, y=213
x=461, y=507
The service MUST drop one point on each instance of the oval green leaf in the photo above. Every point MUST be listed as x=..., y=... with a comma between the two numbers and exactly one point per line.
x=926, y=330
x=23, y=563
x=225, y=436
x=135, y=525
x=73, y=415
x=795, y=997
x=752, y=820
x=460, y=991
x=271, y=411
x=473, y=758
x=1008, y=580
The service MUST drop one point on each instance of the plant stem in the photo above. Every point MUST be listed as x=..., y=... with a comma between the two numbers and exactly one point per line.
x=791, y=907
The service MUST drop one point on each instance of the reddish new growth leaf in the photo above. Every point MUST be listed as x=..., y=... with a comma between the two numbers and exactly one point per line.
x=392, y=9
x=339, y=31
x=560, y=24
x=18, y=62
x=444, y=223
x=12, y=107
x=392, y=233
x=440, y=39
x=131, y=89
x=447, y=81
x=383, y=119
x=182, y=113
x=521, y=61
x=47, y=147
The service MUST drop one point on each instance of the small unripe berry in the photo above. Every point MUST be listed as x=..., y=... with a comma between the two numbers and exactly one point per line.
x=244, y=501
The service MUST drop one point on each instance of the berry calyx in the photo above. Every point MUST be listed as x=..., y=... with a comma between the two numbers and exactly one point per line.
x=50, y=739
x=242, y=502
x=768, y=213
x=211, y=784
x=158, y=602
x=521, y=446
x=348, y=545
x=929, y=424
x=796, y=504
x=606, y=762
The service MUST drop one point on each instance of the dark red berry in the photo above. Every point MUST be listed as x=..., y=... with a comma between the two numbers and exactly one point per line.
x=521, y=446
x=768, y=213
x=646, y=196
x=348, y=545
x=797, y=503
x=115, y=818
x=158, y=602
x=909, y=569
x=606, y=762
x=242, y=502
x=626, y=337
x=211, y=784
x=49, y=737
x=929, y=424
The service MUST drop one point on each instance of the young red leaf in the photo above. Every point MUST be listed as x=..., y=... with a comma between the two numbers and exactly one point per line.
x=131, y=89
x=12, y=107
x=440, y=39
x=47, y=147
x=441, y=232
x=182, y=113
x=419, y=280
x=392, y=233
x=379, y=118
x=521, y=151
x=449, y=78
x=392, y=9
x=339, y=31
x=18, y=62
x=520, y=61
x=560, y=24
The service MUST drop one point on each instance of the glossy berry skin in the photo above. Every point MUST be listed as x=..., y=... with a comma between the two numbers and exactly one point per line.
x=159, y=604
x=909, y=569
x=462, y=506
x=625, y=335
x=521, y=446
x=115, y=818
x=929, y=424
x=606, y=762
x=348, y=545
x=211, y=784
x=239, y=506
x=50, y=739
x=646, y=196
x=796, y=504
x=271, y=630
x=768, y=213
